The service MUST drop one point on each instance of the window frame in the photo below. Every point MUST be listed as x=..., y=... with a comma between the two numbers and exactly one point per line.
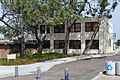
x=45, y=42
x=74, y=28
x=74, y=44
x=59, y=44
x=42, y=26
x=48, y=29
x=57, y=28
x=93, y=43
x=45, y=30
x=91, y=27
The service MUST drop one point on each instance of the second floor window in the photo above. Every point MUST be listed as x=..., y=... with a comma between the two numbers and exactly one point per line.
x=32, y=29
x=48, y=29
x=44, y=29
x=91, y=26
x=76, y=27
x=59, y=28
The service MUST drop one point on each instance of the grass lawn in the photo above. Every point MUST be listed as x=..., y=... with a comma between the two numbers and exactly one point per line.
x=33, y=58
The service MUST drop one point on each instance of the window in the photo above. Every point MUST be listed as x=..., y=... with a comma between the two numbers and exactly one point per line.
x=59, y=28
x=76, y=27
x=109, y=42
x=48, y=29
x=59, y=44
x=3, y=46
x=75, y=44
x=90, y=26
x=42, y=29
x=95, y=44
x=32, y=29
x=46, y=44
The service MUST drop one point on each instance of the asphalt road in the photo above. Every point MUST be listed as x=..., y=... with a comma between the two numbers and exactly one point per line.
x=78, y=70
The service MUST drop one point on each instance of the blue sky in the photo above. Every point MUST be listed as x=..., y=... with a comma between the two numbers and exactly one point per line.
x=115, y=21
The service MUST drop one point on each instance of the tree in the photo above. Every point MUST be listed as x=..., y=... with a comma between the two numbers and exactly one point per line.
x=50, y=12
x=13, y=13
x=78, y=11
x=8, y=32
x=99, y=8
x=37, y=12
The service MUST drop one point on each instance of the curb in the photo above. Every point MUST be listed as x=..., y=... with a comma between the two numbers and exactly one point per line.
x=96, y=77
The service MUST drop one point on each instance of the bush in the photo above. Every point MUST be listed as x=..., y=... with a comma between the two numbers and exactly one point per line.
x=33, y=58
x=17, y=62
x=3, y=59
x=76, y=54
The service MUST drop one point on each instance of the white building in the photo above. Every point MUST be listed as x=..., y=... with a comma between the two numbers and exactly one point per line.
x=80, y=35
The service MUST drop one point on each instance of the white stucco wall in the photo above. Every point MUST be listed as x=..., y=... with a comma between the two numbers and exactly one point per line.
x=104, y=36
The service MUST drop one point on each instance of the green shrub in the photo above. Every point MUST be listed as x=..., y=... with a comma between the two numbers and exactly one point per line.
x=33, y=58
x=17, y=62
x=76, y=54
x=3, y=59
x=18, y=57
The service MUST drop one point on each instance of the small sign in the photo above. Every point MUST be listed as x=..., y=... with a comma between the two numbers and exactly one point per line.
x=114, y=35
x=11, y=56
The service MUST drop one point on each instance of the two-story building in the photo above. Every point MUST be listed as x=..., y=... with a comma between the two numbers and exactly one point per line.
x=80, y=35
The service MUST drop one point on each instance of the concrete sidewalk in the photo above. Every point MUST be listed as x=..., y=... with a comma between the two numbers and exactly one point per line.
x=108, y=77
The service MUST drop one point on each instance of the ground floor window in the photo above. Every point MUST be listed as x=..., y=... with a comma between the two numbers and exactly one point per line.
x=95, y=44
x=46, y=44
x=59, y=44
x=75, y=44
x=110, y=42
